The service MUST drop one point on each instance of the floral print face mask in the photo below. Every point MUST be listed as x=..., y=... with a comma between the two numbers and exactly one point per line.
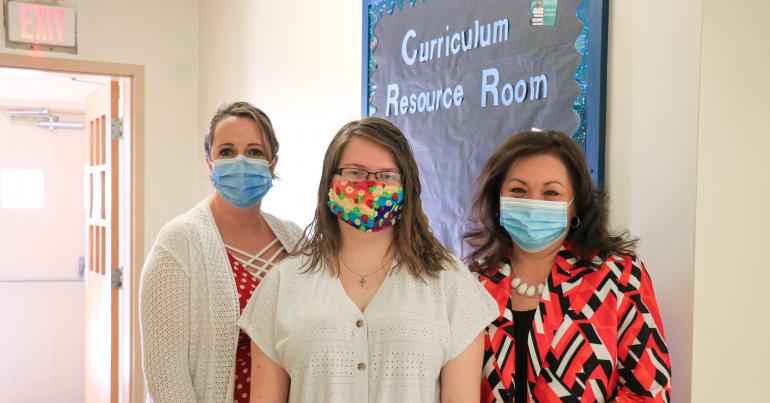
x=368, y=206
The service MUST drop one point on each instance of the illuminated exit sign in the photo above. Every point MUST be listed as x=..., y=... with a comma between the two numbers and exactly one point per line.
x=40, y=25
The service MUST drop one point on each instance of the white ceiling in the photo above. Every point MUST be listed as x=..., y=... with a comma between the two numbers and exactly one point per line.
x=23, y=88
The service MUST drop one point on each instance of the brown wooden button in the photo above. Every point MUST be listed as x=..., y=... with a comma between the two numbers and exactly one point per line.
x=360, y=323
x=361, y=366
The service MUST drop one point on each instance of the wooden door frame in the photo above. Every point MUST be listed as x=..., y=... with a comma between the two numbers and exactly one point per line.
x=136, y=94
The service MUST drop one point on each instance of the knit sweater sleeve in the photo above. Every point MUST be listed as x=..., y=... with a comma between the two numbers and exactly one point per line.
x=164, y=319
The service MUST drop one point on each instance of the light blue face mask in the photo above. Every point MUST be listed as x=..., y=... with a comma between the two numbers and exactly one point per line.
x=242, y=181
x=533, y=224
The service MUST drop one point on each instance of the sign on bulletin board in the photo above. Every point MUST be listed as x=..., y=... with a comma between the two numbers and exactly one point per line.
x=459, y=77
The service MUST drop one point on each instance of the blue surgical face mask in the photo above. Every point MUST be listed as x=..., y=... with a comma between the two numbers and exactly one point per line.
x=242, y=181
x=533, y=224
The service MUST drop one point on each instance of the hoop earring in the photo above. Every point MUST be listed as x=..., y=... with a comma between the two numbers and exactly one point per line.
x=575, y=224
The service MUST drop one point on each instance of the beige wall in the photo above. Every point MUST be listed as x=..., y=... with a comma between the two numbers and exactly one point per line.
x=731, y=349
x=162, y=36
x=301, y=65
x=688, y=150
x=651, y=153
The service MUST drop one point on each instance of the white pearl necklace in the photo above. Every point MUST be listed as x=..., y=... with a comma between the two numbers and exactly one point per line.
x=523, y=288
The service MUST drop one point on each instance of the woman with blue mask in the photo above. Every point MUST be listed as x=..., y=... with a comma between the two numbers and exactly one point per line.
x=206, y=263
x=578, y=316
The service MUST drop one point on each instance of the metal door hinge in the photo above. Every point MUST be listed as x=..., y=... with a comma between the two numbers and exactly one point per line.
x=117, y=278
x=117, y=128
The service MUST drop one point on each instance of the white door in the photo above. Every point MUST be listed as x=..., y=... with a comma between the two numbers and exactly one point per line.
x=102, y=247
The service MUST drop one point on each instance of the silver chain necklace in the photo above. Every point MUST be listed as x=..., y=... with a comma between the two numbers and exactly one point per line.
x=362, y=278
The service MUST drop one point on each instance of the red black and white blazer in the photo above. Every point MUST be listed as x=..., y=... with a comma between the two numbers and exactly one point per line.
x=596, y=336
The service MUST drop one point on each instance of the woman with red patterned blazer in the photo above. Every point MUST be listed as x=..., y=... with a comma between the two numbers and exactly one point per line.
x=578, y=317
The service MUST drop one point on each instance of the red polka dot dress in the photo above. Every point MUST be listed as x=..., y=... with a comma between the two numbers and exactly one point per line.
x=246, y=283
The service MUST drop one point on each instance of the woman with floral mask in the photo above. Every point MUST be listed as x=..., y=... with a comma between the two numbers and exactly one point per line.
x=371, y=308
x=578, y=320
x=205, y=265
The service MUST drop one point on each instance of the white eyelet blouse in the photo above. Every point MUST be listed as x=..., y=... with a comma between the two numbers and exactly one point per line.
x=391, y=352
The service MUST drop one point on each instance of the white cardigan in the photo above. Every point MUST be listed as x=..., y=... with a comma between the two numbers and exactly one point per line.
x=188, y=309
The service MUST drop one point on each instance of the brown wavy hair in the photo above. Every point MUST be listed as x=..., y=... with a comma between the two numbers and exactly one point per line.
x=592, y=237
x=415, y=246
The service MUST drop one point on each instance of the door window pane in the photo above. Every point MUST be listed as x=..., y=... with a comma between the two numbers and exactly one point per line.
x=21, y=188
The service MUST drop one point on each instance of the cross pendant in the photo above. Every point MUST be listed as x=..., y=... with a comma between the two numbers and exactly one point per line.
x=362, y=281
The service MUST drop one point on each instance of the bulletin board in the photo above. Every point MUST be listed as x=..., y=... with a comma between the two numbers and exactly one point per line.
x=460, y=77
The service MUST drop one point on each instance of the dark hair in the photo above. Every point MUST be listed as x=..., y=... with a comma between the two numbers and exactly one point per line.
x=592, y=237
x=247, y=111
x=415, y=246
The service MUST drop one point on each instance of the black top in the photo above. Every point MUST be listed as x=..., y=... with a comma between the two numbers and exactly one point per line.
x=522, y=323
